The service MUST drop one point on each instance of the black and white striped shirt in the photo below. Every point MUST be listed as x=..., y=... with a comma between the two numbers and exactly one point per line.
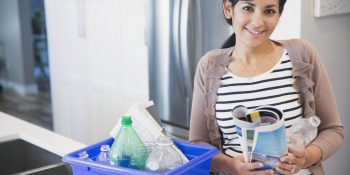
x=275, y=87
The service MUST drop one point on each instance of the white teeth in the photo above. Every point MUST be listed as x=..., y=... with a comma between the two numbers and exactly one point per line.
x=254, y=31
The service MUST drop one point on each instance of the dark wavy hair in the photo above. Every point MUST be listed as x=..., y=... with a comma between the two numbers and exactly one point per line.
x=231, y=41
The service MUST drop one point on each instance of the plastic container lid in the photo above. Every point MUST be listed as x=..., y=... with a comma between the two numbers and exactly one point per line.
x=105, y=148
x=83, y=155
x=239, y=111
x=126, y=120
x=314, y=121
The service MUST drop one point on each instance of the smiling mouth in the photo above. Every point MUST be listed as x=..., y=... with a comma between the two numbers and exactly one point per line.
x=255, y=32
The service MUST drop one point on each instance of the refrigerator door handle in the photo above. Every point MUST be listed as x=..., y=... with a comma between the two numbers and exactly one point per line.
x=179, y=19
x=177, y=46
x=184, y=53
x=176, y=31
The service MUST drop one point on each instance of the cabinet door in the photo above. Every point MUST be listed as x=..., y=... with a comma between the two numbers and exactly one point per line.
x=98, y=64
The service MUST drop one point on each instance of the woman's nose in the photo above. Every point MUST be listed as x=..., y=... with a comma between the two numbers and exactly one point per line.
x=257, y=20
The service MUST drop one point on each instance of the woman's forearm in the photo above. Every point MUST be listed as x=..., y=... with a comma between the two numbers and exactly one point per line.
x=220, y=163
x=313, y=155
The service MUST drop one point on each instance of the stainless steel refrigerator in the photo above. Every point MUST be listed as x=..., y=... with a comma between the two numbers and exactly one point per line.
x=179, y=33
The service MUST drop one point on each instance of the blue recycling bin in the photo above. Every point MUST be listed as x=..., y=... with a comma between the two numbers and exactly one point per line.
x=199, y=161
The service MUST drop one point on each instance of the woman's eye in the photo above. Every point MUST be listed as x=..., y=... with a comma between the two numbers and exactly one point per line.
x=270, y=11
x=248, y=8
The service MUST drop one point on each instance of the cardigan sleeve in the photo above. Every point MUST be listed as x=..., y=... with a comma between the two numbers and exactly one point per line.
x=330, y=132
x=198, y=125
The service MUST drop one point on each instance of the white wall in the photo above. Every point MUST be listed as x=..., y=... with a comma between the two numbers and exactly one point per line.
x=331, y=37
x=290, y=21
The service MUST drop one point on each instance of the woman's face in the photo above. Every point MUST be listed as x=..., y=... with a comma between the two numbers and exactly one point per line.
x=253, y=20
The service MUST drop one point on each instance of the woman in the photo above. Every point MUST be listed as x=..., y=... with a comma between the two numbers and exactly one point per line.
x=253, y=70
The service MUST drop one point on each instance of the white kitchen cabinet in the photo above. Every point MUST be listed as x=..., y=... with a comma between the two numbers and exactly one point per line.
x=98, y=63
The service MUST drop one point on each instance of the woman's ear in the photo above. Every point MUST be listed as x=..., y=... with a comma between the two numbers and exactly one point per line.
x=228, y=10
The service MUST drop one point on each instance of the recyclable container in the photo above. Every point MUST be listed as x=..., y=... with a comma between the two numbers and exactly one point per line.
x=199, y=161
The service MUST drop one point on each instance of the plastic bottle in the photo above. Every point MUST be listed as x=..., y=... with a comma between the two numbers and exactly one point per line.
x=304, y=131
x=84, y=155
x=128, y=149
x=163, y=157
x=104, y=154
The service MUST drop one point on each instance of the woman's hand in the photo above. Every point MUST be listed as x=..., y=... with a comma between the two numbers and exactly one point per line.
x=242, y=168
x=292, y=162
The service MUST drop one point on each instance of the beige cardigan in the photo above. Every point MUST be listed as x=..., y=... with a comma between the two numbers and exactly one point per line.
x=311, y=80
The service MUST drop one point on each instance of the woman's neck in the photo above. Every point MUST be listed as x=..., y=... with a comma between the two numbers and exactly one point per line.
x=255, y=54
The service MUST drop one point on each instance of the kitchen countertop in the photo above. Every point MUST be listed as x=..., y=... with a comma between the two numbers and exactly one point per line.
x=13, y=128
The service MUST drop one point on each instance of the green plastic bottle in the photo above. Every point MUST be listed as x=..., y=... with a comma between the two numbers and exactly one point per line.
x=128, y=149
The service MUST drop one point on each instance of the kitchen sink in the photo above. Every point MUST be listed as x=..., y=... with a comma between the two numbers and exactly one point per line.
x=21, y=157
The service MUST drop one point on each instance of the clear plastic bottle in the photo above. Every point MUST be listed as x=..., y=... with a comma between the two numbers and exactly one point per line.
x=163, y=157
x=304, y=131
x=84, y=155
x=128, y=149
x=104, y=154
